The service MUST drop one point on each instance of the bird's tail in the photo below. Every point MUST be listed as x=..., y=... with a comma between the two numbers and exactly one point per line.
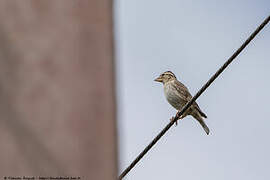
x=201, y=121
x=200, y=111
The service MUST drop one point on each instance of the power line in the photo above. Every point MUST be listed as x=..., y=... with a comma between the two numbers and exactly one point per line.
x=206, y=85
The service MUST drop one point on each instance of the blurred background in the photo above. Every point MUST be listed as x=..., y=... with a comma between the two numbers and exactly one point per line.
x=57, y=92
x=77, y=96
x=193, y=39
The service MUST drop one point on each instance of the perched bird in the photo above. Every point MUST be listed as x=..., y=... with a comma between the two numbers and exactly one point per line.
x=178, y=95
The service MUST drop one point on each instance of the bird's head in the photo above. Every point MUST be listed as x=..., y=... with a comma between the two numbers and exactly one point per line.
x=166, y=77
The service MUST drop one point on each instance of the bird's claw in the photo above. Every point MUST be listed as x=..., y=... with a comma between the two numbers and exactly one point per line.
x=175, y=121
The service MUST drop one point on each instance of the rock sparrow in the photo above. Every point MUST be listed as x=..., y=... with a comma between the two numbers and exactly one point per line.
x=178, y=95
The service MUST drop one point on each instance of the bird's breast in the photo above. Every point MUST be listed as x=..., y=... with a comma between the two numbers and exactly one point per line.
x=173, y=97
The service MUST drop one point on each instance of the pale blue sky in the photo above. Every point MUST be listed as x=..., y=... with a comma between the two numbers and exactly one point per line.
x=193, y=39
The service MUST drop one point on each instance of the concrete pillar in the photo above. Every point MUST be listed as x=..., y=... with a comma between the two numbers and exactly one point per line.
x=57, y=99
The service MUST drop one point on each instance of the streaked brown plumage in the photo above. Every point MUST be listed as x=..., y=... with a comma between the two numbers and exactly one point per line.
x=178, y=95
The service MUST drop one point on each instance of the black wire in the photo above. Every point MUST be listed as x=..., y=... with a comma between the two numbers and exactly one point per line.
x=207, y=84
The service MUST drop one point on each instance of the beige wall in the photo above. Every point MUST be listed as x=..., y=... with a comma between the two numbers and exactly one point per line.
x=57, y=101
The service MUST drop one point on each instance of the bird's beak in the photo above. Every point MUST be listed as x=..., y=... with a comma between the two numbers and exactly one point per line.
x=159, y=79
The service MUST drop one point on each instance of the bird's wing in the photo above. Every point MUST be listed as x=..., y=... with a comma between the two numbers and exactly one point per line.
x=186, y=96
x=183, y=91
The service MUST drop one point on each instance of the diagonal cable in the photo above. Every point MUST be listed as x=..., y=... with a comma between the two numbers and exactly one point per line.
x=206, y=85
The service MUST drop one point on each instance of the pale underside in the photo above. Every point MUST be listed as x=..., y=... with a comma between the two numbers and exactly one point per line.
x=178, y=95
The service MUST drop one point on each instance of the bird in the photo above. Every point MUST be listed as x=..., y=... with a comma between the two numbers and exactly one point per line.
x=178, y=96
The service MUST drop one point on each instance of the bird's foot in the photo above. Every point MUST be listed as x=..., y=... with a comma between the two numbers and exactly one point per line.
x=175, y=121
